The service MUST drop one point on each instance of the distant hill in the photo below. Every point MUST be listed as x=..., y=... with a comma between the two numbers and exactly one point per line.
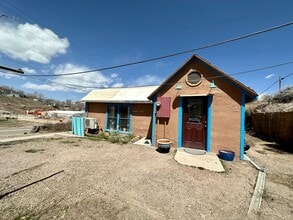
x=16, y=101
x=21, y=105
x=279, y=102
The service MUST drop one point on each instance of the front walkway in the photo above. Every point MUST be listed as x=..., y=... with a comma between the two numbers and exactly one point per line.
x=208, y=161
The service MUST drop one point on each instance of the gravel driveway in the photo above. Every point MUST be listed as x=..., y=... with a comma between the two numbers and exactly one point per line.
x=110, y=181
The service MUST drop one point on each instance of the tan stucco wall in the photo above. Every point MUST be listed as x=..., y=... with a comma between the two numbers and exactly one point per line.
x=225, y=129
x=141, y=117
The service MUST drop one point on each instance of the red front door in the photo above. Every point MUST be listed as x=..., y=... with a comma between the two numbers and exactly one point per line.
x=194, y=122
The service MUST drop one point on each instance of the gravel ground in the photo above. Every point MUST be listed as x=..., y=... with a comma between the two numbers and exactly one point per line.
x=110, y=181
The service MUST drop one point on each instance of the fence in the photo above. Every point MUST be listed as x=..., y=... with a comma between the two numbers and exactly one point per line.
x=277, y=126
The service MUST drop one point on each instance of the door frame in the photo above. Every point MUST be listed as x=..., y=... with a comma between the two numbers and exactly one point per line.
x=209, y=120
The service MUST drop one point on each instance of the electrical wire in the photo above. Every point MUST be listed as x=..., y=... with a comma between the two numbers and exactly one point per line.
x=274, y=83
x=160, y=57
x=174, y=54
x=208, y=78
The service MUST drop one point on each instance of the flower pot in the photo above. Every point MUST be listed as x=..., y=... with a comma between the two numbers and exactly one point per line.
x=226, y=155
x=164, y=144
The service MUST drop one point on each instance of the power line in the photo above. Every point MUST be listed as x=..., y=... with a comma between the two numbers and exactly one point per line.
x=208, y=78
x=178, y=53
x=156, y=58
x=274, y=83
x=237, y=73
x=11, y=69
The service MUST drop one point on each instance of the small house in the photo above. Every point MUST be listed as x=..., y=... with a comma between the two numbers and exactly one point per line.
x=198, y=106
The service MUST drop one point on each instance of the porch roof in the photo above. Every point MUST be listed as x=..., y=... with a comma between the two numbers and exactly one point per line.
x=120, y=95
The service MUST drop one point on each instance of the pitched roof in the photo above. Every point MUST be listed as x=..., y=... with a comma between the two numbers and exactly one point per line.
x=251, y=94
x=120, y=95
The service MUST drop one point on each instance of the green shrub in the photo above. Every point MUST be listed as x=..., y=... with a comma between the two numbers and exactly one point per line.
x=112, y=137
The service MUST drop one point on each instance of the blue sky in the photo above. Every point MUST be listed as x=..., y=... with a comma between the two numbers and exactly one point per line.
x=61, y=36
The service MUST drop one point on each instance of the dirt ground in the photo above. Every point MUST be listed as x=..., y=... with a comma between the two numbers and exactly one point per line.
x=277, y=200
x=110, y=181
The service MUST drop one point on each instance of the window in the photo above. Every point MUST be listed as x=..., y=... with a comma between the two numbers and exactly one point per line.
x=118, y=118
x=193, y=78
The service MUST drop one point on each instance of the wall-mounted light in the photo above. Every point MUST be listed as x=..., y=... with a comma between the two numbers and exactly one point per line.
x=178, y=87
x=212, y=85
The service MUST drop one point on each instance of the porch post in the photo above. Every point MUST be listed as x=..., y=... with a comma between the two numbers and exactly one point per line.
x=154, y=119
x=209, y=123
x=180, y=118
x=242, y=125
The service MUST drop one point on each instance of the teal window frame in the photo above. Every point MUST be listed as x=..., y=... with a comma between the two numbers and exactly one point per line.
x=118, y=117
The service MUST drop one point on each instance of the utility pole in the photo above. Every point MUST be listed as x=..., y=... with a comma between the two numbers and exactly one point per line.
x=280, y=82
x=12, y=70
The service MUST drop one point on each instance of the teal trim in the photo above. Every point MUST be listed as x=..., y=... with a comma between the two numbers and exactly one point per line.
x=130, y=119
x=242, y=125
x=209, y=123
x=180, y=122
x=154, y=119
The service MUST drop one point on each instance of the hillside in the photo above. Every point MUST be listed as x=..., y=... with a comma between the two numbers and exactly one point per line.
x=21, y=105
x=279, y=102
x=16, y=101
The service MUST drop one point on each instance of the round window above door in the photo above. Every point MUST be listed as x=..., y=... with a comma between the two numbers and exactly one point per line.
x=193, y=78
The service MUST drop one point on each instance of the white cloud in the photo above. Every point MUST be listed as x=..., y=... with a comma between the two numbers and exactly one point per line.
x=28, y=70
x=117, y=85
x=147, y=80
x=47, y=87
x=269, y=76
x=29, y=42
x=114, y=75
x=77, y=83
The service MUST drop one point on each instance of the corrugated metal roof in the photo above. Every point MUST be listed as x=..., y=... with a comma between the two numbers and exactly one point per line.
x=120, y=95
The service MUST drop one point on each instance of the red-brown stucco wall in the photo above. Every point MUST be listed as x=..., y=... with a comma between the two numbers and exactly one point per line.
x=142, y=120
x=98, y=111
x=225, y=126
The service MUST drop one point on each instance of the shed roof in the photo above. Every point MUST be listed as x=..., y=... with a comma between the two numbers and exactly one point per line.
x=250, y=93
x=120, y=95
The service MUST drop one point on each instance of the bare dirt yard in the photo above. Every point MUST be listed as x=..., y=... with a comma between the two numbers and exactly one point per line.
x=277, y=202
x=100, y=180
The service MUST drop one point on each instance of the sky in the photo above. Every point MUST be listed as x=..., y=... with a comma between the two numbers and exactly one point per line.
x=49, y=37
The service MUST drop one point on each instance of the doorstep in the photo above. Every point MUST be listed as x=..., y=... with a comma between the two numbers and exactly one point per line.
x=208, y=161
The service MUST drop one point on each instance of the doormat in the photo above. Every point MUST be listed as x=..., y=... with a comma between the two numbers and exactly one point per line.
x=194, y=151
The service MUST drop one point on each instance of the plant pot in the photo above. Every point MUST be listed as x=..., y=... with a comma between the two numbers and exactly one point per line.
x=226, y=155
x=164, y=144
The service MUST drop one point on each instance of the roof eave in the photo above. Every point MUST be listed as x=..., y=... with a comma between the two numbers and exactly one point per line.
x=251, y=93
